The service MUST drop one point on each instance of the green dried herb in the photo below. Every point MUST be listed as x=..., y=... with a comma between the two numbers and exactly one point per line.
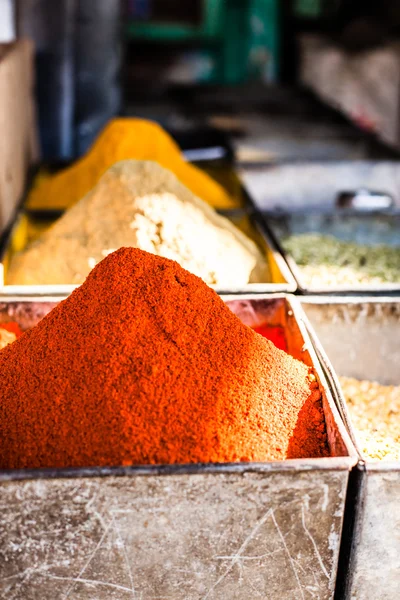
x=326, y=260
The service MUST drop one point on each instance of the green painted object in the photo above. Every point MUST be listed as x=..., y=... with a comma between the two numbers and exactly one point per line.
x=242, y=36
x=211, y=29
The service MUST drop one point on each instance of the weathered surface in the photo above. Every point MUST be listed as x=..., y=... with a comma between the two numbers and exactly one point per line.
x=362, y=339
x=376, y=556
x=233, y=535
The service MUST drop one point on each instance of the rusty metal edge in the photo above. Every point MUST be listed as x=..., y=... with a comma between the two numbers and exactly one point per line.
x=344, y=463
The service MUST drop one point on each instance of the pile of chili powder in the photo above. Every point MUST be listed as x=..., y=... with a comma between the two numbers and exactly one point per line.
x=144, y=363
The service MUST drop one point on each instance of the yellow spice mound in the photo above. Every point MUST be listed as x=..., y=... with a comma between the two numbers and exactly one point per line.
x=124, y=139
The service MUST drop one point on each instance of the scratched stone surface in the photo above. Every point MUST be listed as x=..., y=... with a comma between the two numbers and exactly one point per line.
x=206, y=536
x=376, y=566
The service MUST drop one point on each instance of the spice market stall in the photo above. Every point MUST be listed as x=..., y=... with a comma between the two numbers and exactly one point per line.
x=230, y=477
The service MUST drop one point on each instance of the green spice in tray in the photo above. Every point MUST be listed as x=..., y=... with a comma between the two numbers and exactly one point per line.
x=326, y=260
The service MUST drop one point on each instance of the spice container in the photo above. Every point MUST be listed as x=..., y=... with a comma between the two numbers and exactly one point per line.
x=298, y=186
x=201, y=531
x=330, y=249
x=275, y=278
x=361, y=338
x=341, y=252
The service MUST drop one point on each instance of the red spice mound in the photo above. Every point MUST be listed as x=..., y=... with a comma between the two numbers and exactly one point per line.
x=146, y=364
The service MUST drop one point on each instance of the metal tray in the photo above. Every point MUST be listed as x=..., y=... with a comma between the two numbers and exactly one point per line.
x=301, y=197
x=27, y=226
x=312, y=185
x=347, y=225
x=362, y=339
x=182, y=531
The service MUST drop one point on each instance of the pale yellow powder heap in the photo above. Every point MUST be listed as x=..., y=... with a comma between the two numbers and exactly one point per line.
x=140, y=204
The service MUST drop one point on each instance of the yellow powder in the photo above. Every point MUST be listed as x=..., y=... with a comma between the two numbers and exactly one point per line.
x=124, y=139
x=142, y=205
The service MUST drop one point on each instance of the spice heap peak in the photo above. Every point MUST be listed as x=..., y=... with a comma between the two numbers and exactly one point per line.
x=145, y=364
x=143, y=205
x=124, y=139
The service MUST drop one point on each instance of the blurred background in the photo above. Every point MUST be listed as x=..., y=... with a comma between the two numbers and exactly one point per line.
x=276, y=78
x=249, y=83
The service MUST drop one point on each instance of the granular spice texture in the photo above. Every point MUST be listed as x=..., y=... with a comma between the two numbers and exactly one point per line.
x=124, y=139
x=326, y=260
x=375, y=412
x=146, y=364
x=143, y=205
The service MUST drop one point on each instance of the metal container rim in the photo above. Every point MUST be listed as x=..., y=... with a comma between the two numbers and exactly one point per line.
x=315, y=299
x=343, y=290
x=303, y=289
x=295, y=465
x=391, y=466
x=364, y=464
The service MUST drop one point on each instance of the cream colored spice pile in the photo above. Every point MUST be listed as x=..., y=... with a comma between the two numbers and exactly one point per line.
x=143, y=205
x=375, y=412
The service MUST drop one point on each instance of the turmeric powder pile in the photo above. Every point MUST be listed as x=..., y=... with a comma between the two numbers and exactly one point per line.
x=145, y=364
x=140, y=204
x=124, y=139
